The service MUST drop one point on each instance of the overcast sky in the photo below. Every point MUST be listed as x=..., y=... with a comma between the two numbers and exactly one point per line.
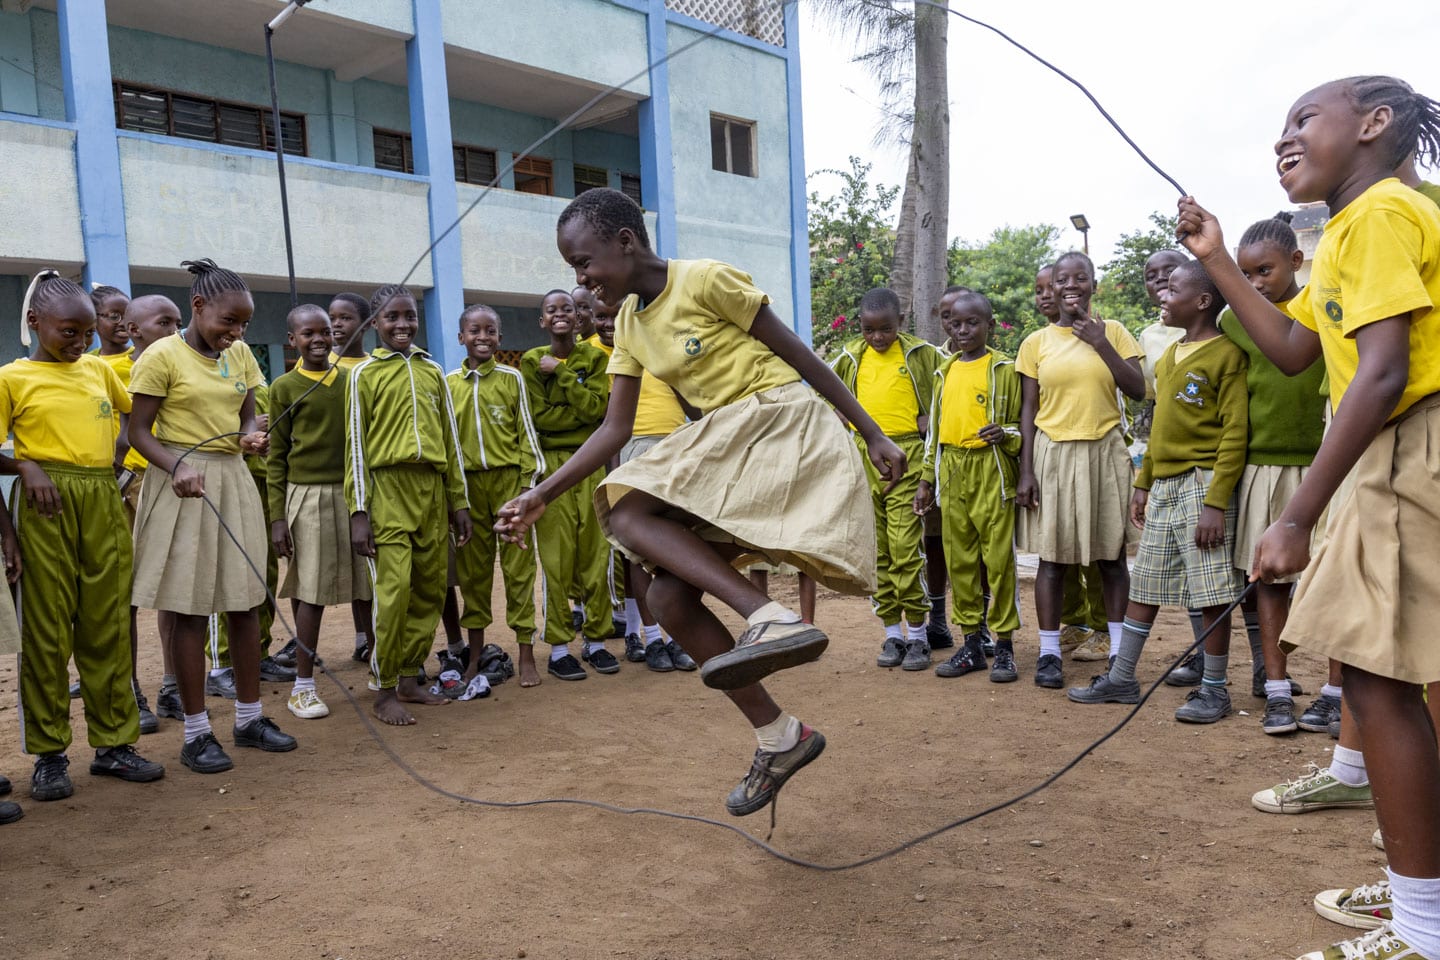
x=1203, y=88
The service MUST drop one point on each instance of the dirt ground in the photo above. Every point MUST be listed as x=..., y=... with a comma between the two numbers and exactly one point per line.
x=1149, y=848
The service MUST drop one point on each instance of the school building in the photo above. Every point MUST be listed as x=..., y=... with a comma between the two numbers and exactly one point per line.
x=135, y=134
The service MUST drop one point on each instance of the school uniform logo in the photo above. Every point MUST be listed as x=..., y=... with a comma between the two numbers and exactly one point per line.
x=694, y=346
x=1191, y=393
x=106, y=412
x=1334, y=311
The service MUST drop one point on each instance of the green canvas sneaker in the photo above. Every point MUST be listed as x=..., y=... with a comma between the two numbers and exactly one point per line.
x=1316, y=789
x=1379, y=944
x=1366, y=906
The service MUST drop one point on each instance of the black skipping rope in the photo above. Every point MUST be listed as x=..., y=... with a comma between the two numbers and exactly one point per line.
x=762, y=845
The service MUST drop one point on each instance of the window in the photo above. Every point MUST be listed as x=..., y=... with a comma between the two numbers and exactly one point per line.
x=630, y=186
x=590, y=178
x=474, y=164
x=149, y=110
x=732, y=145
x=532, y=175
x=394, y=151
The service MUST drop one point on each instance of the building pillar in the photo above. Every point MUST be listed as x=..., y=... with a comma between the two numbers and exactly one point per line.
x=435, y=160
x=657, y=164
x=799, y=212
x=89, y=104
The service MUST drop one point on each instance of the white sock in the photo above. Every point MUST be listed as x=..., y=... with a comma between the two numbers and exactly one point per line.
x=456, y=648
x=196, y=725
x=915, y=633
x=1049, y=643
x=1415, y=907
x=302, y=684
x=779, y=735
x=1348, y=766
x=219, y=671
x=559, y=650
x=1277, y=689
x=773, y=612
x=653, y=634
x=361, y=641
x=592, y=645
x=632, y=618
x=246, y=713
x=894, y=631
x=1117, y=630
x=1328, y=691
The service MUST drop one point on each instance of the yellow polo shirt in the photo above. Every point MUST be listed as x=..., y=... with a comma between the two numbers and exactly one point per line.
x=201, y=397
x=1077, y=390
x=62, y=412
x=965, y=402
x=886, y=392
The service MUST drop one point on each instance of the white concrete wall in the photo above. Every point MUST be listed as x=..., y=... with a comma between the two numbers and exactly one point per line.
x=39, y=199
x=182, y=202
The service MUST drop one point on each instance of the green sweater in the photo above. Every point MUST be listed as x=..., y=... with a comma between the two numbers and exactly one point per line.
x=1287, y=414
x=569, y=404
x=921, y=360
x=307, y=444
x=398, y=412
x=1200, y=418
x=492, y=410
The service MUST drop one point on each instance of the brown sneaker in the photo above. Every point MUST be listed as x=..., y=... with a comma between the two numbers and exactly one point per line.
x=762, y=650
x=769, y=771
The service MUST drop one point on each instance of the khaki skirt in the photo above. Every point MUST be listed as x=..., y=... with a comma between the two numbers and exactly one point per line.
x=777, y=474
x=324, y=569
x=1084, y=492
x=1265, y=490
x=184, y=561
x=1371, y=594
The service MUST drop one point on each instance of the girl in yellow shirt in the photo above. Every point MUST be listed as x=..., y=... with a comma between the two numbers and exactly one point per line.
x=767, y=472
x=1371, y=596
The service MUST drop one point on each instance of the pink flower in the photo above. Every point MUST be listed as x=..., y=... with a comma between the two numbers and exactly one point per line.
x=1006, y=326
x=838, y=323
x=859, y=245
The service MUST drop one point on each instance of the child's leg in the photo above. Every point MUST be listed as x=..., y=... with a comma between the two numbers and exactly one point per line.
x=554, y=546
x=962, y=556
x=391, y=580
x=362, y=616
x=429, y=569
x=906, y=568
x=475, y=570
x=1272, y=605
x=48, y=600
x=1094, y=586
x=304, y=701
x=760, y=579
x=806, y=589
x=1049, y=594
x=1115, y=586
x=244, y=630
x=450, y=621
x=593, y=563
x=1073, y=608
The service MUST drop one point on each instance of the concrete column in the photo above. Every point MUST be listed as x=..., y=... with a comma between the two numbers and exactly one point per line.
x=657, y=164
x=89, y=104
x=799, y=212
x=434, y=159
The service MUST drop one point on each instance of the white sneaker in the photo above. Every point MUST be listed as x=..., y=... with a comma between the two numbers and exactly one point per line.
x=1095, y=647
x=307, y=705
x=1074, y=634
x=1379, y=944
x=1377, y=839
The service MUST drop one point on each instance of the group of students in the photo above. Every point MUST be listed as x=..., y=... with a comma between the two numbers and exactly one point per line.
x=759, y=452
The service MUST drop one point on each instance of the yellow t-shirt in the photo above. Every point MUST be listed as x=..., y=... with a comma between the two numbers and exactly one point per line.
x=657, y=412
x=595, y=341
x=345, y=364
x=1077, y=391
x=201, y=397
x=62, y=412
x=1154, y=340
x=884, y=389
x=121, y=363
x=1378, y=258
x=327, y=376
x=133, y=461
x=965, y=402
x=696, y=337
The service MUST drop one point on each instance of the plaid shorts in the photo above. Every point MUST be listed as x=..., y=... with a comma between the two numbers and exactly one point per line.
x=1169, y=569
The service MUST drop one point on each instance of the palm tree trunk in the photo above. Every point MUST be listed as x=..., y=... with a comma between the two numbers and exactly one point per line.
x=930, y=165
x=902, y=266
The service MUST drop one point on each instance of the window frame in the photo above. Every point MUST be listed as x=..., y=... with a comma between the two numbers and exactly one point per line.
x=263, y=116
x=728, y=121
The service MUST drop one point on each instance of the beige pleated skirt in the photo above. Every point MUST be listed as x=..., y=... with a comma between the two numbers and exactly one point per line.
x=1084, y=491
x=184, y=561
x=1265, y=490
x=1371, y=594
x=777, y=474
x=324, y=569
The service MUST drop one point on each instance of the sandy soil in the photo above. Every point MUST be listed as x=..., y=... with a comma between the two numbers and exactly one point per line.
x=1149, y=848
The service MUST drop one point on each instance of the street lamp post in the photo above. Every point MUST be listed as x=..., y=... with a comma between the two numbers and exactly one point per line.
x=279, y=141
x=1083, y=225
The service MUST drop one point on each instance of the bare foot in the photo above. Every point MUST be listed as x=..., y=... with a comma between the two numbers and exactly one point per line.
x=387, y=709
x=529, y=676
x=411, y=691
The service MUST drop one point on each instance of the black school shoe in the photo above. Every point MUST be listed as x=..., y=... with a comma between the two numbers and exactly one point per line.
x=273, y=672
x=205, y=755
x=657, y=657
x=263, y=734
x=149, y=723
x=567, y=668
x=5, y=786
x=1257, y=684
x=601, y=661
x=1049, y=672
x=167, y=704
x=678, y=657
x=51, y=778
x=968, y=659
x=125, y=763
x=938, y=635
x=10, y=812
x=634, y=648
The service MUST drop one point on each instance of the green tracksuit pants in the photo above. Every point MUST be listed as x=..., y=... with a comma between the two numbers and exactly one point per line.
x=411, y=527
x=1084, y=597
x=75, y=600
x=899, y=559
x=217, y=630
x=475, y=562
x=573, y=551
x=979, y=524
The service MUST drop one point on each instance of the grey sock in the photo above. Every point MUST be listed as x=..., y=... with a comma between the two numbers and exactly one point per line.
x=1132, y=641
x=1197, y=623
x=1215, y=669
x=1252, y=633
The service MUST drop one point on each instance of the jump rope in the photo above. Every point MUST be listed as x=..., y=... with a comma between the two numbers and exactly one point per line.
x=761, y=844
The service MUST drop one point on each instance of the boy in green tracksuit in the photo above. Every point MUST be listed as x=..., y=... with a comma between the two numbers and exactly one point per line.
x=971, y=466
x=502, y=458
x=568, y=390
x=403, y=477
x=892, y=374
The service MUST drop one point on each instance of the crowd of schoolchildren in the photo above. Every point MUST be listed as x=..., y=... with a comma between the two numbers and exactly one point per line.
x=674, y=431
